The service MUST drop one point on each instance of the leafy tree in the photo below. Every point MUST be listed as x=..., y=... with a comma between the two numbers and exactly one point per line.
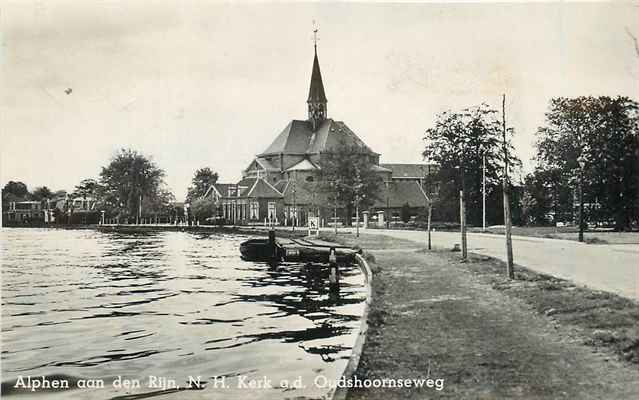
x=59, y=193
x=347, y=175
x=594, y=142
x=203, y=208
x=15, y=191
x=458, y=142
x=41, y=193
x=87, y=188
x=130, y=178
x=202, y=180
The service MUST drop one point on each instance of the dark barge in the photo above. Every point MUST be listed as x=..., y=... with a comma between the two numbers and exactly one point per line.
x=297, y=250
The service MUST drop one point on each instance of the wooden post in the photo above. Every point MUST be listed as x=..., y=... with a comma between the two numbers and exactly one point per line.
x=581, y=203
x=507, y=220
x=462, y=220
x=430, y=213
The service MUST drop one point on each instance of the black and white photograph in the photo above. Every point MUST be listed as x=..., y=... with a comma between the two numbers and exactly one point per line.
x=319, y=200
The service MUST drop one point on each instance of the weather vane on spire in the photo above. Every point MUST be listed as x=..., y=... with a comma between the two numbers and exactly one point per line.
x=315, y=39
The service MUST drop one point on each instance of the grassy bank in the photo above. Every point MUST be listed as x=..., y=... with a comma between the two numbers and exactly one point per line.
x=568, y=233
x=602, y=320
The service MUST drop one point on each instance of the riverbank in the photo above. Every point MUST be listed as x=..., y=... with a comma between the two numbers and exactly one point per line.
x=227, y=229
x=535, y=337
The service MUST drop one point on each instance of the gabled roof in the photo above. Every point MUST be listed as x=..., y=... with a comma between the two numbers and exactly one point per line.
x=316, y=90
x=262, y=188
x=304, y=165
x=415, y=171
x=281, y=186
x=221, y=189
x=298, y=138
x=245, y=186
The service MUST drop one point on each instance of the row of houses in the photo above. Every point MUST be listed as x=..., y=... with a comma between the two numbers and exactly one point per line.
x=65, y=209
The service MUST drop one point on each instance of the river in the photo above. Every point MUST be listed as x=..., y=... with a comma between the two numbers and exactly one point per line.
x=103, y=307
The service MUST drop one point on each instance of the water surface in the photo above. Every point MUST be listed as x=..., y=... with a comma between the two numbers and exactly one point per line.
x=169, y=304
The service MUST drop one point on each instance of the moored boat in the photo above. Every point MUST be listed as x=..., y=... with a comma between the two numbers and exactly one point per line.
x=260, y=250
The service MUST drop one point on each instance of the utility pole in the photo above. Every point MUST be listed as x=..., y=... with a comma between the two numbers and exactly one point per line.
x=581, y=162
x=507, y=220
x=483, y=191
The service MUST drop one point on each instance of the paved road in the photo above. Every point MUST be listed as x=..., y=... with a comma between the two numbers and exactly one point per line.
x=613, y=268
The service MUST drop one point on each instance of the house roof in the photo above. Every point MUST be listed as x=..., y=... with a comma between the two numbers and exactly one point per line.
x=378, y=168
x=221, y=189
x=245, y=186
x=415, y=171
x=261, y=188
x=281, y=185
x=299, y=138
x=397, y=193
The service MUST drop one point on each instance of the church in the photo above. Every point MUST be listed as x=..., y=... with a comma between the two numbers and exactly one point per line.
x=279, y=186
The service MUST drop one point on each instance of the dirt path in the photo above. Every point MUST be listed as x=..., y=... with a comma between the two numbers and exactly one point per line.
x=432, y=313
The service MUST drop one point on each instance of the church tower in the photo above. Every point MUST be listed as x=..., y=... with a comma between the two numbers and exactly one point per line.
x=316, y=97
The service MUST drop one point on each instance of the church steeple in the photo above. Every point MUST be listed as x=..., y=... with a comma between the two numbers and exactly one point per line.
x=316, y=97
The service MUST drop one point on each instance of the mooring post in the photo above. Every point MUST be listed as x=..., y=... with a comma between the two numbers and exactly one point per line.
x=333, y=277
x=271, y=243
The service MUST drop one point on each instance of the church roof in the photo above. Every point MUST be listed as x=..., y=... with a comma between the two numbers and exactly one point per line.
x=316, y=90
x=405, y=171
x=298, y=138
x=304, y=165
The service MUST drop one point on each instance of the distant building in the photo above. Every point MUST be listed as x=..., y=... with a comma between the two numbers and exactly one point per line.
x=278, y=184
x=24, y=213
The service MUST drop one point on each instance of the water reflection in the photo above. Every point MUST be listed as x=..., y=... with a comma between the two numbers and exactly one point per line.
x=84, y=303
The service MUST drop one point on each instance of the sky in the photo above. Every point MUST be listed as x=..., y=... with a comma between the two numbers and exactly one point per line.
x=194, y=83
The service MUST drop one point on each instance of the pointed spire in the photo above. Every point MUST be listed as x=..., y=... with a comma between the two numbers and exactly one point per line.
x=316, y=95
x=316, y=91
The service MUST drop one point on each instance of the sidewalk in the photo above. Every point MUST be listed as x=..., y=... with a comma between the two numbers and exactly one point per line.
x=433, y=317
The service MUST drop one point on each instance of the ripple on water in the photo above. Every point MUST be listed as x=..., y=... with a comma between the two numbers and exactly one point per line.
x=90, y=304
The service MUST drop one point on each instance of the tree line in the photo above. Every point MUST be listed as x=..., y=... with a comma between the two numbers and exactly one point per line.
x=587, y=157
